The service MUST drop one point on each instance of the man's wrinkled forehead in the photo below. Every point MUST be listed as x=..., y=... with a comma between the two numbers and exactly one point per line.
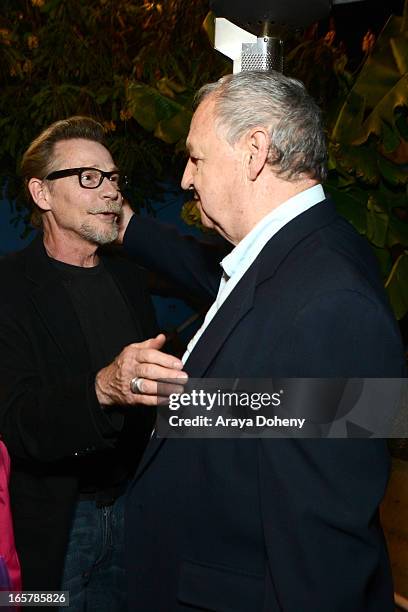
x=203, y=123
x=80, y=152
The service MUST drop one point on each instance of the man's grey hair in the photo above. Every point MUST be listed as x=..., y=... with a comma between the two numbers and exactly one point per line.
x=280, y=104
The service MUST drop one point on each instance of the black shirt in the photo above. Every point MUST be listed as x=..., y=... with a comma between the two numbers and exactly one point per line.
x=108, y=326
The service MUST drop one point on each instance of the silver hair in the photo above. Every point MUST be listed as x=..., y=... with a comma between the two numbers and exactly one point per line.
x=280, y=104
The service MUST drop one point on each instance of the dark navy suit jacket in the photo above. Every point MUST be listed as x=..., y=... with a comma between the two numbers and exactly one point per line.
x=270, y=525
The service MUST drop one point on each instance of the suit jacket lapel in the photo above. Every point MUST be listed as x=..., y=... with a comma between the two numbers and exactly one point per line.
x=53, y=304
x=241, y=299
x=209, y=344
x=238, y=303
x=211, y=341
x=151, y=450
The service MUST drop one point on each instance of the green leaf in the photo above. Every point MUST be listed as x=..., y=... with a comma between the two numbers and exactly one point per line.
x=174, y=129
x=404, y=24
x=50, y=6
x=380, y=88
x=384, y=110
x=349, y=119
x=149, y=107
x=398, y=233
x=393, y=173
x=399, y=47
x=390, y=197
x=101, y=98
x=380, y=72
x=397, y=286
x=384, y=259
x=377, y=223
x=350, y=206
x=401, y=123
x=390, y=137
x=209, y=27
x=359, y=161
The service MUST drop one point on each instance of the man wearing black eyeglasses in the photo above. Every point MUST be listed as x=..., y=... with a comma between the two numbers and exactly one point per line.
x=66, y=311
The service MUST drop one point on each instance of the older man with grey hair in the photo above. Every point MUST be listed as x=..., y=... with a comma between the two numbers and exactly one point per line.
x=260, y=524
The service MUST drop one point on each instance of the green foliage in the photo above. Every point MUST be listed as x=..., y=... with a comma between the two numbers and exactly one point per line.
x=368, y=148
x=366, y=119
x=133, y=65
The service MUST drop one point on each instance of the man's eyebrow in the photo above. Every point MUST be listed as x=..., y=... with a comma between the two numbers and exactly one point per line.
x=190, y=151
x=114, y=168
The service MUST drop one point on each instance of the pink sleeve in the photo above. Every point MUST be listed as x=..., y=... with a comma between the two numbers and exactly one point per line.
x=7, y=546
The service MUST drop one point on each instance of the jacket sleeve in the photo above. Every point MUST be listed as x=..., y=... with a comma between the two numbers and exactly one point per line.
x=45, y=422
x=323, y=538
x=191, y=263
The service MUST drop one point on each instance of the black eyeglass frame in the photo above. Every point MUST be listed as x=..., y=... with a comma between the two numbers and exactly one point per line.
x=57, y=174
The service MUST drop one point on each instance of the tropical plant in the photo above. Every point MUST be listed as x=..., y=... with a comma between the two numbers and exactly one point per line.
x=367, y=124
x=368, y=146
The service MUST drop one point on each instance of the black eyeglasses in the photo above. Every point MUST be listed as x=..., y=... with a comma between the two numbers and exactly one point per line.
x=90, y=178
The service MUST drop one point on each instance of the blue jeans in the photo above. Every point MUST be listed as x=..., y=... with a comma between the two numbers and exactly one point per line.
x=94, y=571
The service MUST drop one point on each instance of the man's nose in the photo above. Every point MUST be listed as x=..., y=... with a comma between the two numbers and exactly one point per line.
x=187, y=179
x=109, y=189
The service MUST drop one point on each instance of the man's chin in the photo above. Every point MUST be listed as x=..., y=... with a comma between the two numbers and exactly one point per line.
x=205, y=221
x=100, y=236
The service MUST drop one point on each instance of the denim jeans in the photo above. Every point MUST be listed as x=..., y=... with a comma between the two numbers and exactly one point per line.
x=94, y=571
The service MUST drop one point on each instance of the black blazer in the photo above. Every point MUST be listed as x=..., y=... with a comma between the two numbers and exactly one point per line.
x=271, y=525
x=49, y=413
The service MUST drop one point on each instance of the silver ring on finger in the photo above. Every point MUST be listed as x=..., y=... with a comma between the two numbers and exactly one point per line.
x=136, y=385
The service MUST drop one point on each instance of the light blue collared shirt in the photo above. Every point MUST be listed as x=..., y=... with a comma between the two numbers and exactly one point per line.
x=236, y=263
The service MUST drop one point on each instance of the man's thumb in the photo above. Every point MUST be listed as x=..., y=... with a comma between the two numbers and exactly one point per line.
x=156, y=342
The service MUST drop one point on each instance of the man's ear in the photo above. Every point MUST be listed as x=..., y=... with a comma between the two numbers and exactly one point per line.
x=258, y=145
x=40, y=193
